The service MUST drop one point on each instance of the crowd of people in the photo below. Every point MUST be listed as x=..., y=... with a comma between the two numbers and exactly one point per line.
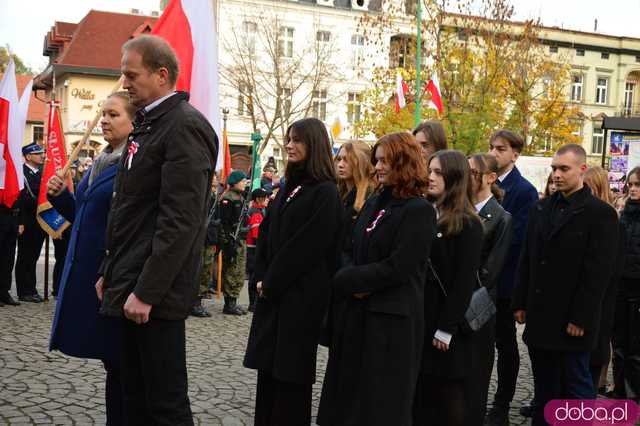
x=410, y=261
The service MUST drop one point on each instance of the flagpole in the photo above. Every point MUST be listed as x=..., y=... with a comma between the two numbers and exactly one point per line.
x=46, y=243
x=418, y=61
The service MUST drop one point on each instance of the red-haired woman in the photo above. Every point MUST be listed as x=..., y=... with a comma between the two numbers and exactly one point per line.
x=374, y=356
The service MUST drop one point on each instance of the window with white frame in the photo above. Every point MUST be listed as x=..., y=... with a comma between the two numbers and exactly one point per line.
x=597, y=142
x=323, y=36
x=37, y=135
x=319, y=104
x=285, y=101
x=354, y=107
x=245, y=103
x=577, y=125
x=285, y=42
x=577, y=81
x=250, y=29
x=357, y=49
x=629, y=88
x=601, y=90
x=546, y=86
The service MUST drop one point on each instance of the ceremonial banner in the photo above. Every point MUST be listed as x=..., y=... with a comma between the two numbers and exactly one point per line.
x=48, y=218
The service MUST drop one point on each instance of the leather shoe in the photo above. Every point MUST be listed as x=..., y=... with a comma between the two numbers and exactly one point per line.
x=33, y=298
x=8, y=300
x=1, y=304
x=200, y=312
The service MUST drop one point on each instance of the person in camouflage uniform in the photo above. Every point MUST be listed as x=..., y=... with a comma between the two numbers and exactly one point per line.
x=233, y=246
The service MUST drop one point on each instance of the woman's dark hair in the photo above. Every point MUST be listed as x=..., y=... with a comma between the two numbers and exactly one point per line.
x=456, y=205
x=318, y=165
x=434, y=132
x=404, y=156
x=128, y=106
x=635, y=171
x=487, y=163
x=547, y=191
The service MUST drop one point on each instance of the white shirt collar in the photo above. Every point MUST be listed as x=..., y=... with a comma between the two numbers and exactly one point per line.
x=157, y=102
x=504, y=176
x=481, y=204
x=33, y=169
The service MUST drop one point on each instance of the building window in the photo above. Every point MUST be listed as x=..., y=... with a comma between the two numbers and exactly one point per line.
x=250, y=29
x=354, y=107
x=638, y=58
x=579, y=52
x=245, y=103
x=285, y=101
x=276, y=152
x=462, y=35
x=553, y=49
x=546, y=86
x=319, y=104
x=598, y=141
x=323, y=36
x=601, y=90
x=577, y=127
x=285, y=43
x=357, y=49
x=400, y=51
x=604, y=55
x=576, y=87
x=38, y=134
x=628, y=98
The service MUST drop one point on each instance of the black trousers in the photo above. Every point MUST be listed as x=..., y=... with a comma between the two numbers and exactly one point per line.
x=113, y=395
x=439, y=401
x=251, y=262
x=477, y=384
x=626, y=346
x=280, y=403
x=8, y=237
x=154, y=374
x=29, y=247
x=61, y=246
x=508, y=355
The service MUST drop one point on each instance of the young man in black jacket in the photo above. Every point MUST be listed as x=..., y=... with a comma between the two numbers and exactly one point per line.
x=155, y=234
x=566, y=262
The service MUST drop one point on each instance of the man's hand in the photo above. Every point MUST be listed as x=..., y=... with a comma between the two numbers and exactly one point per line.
x=575, y=331
x=520, y=316
x=136, y=310
x=20, y=229
x=362, y=295
x=259, y=289
x=100, y=288
x=55, y=185
x=440, y=345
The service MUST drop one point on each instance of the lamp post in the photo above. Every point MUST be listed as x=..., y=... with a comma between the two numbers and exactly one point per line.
x=256, y=138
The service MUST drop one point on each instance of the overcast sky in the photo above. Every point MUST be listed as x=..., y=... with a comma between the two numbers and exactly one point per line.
x=24, y=23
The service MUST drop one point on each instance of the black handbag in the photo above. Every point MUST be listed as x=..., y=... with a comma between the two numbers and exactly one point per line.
x=481, y=307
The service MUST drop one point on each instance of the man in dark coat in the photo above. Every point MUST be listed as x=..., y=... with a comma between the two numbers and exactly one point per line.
x=32, y=235
x=155, y=234
x=518, y=199
x=567, y=262
x=8, y=238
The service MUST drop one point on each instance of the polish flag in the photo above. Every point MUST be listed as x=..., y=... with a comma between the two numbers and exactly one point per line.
x=433, y=87
x=401, y=91
x=13, y=116
x=189, y=26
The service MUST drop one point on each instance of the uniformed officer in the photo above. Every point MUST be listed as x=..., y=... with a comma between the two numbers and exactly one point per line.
x=8, y=237
x=32, y=236
x=233, y=234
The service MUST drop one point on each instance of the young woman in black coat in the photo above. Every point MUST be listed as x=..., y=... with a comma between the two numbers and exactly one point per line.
x=496, y=222
x=375, y=350
x=455, y=259
x=297, y=254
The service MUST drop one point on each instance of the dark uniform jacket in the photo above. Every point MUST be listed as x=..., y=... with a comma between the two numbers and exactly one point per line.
x=567, y=262
x=296, y=257
x=28, y=199
x=376, y=345
x=156, y=228
x=498, y=232
x=231, y=206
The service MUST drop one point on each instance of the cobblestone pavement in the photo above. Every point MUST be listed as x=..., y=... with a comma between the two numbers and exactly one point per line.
x=40, y=387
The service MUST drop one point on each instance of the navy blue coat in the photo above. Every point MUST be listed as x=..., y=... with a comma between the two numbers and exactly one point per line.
x=520, y=196
x=78, y=330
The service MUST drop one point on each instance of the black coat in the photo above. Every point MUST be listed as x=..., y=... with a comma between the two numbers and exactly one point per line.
x=456, y=260
x=564, y=270
x=498, y=232
x=156, y=227
x=28, y=199
x=296, y=256
x=376, y=347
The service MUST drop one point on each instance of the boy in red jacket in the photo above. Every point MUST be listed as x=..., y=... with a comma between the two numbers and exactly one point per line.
x=255, y=215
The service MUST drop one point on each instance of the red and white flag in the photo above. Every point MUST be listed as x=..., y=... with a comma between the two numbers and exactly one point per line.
x=433, y=87
x=189, y=26
x=401, y=91
x=13, y=116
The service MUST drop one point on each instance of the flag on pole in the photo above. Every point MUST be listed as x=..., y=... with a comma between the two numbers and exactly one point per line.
x=189, y=26
x=433, y=87
x=13, y=116
x=226, y=155
x=401, y=91
x=49, y=219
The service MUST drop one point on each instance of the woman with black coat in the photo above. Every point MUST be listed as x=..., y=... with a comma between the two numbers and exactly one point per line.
x=375, y=351
x=297, y=254
x=496, y=222
x=452, y=278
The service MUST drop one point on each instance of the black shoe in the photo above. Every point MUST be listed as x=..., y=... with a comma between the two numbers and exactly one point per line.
x=8, y=300
x=231, y=307
x=34, y=298
x=200, y=312
x=1, y=304
x=497, y=416
x=252, y=307
x=527, y=411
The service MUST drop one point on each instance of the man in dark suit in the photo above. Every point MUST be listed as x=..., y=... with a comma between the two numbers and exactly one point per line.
x=567, y=260
x=31, y=236
x=519, y=197
x=8, y=238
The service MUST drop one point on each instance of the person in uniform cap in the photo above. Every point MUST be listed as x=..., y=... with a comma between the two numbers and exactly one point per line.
x=233, y=245
x=31, y=236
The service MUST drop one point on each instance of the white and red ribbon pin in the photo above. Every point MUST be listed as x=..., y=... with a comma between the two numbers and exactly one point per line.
x=133, y=148
x=375, y=222
x=294, y=193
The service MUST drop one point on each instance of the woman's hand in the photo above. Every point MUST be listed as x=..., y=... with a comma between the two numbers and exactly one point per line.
x=55, y=185
x=440, y=345
x=259, y=289
x=100, y=288
x=362, y=295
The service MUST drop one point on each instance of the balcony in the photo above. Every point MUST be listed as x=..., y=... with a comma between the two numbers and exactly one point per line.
x=629, y=110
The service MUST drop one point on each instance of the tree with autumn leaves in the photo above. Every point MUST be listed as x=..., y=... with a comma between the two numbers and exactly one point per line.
x=493, y=73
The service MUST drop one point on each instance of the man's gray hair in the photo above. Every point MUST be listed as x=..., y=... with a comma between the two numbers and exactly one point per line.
x=156, y=53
